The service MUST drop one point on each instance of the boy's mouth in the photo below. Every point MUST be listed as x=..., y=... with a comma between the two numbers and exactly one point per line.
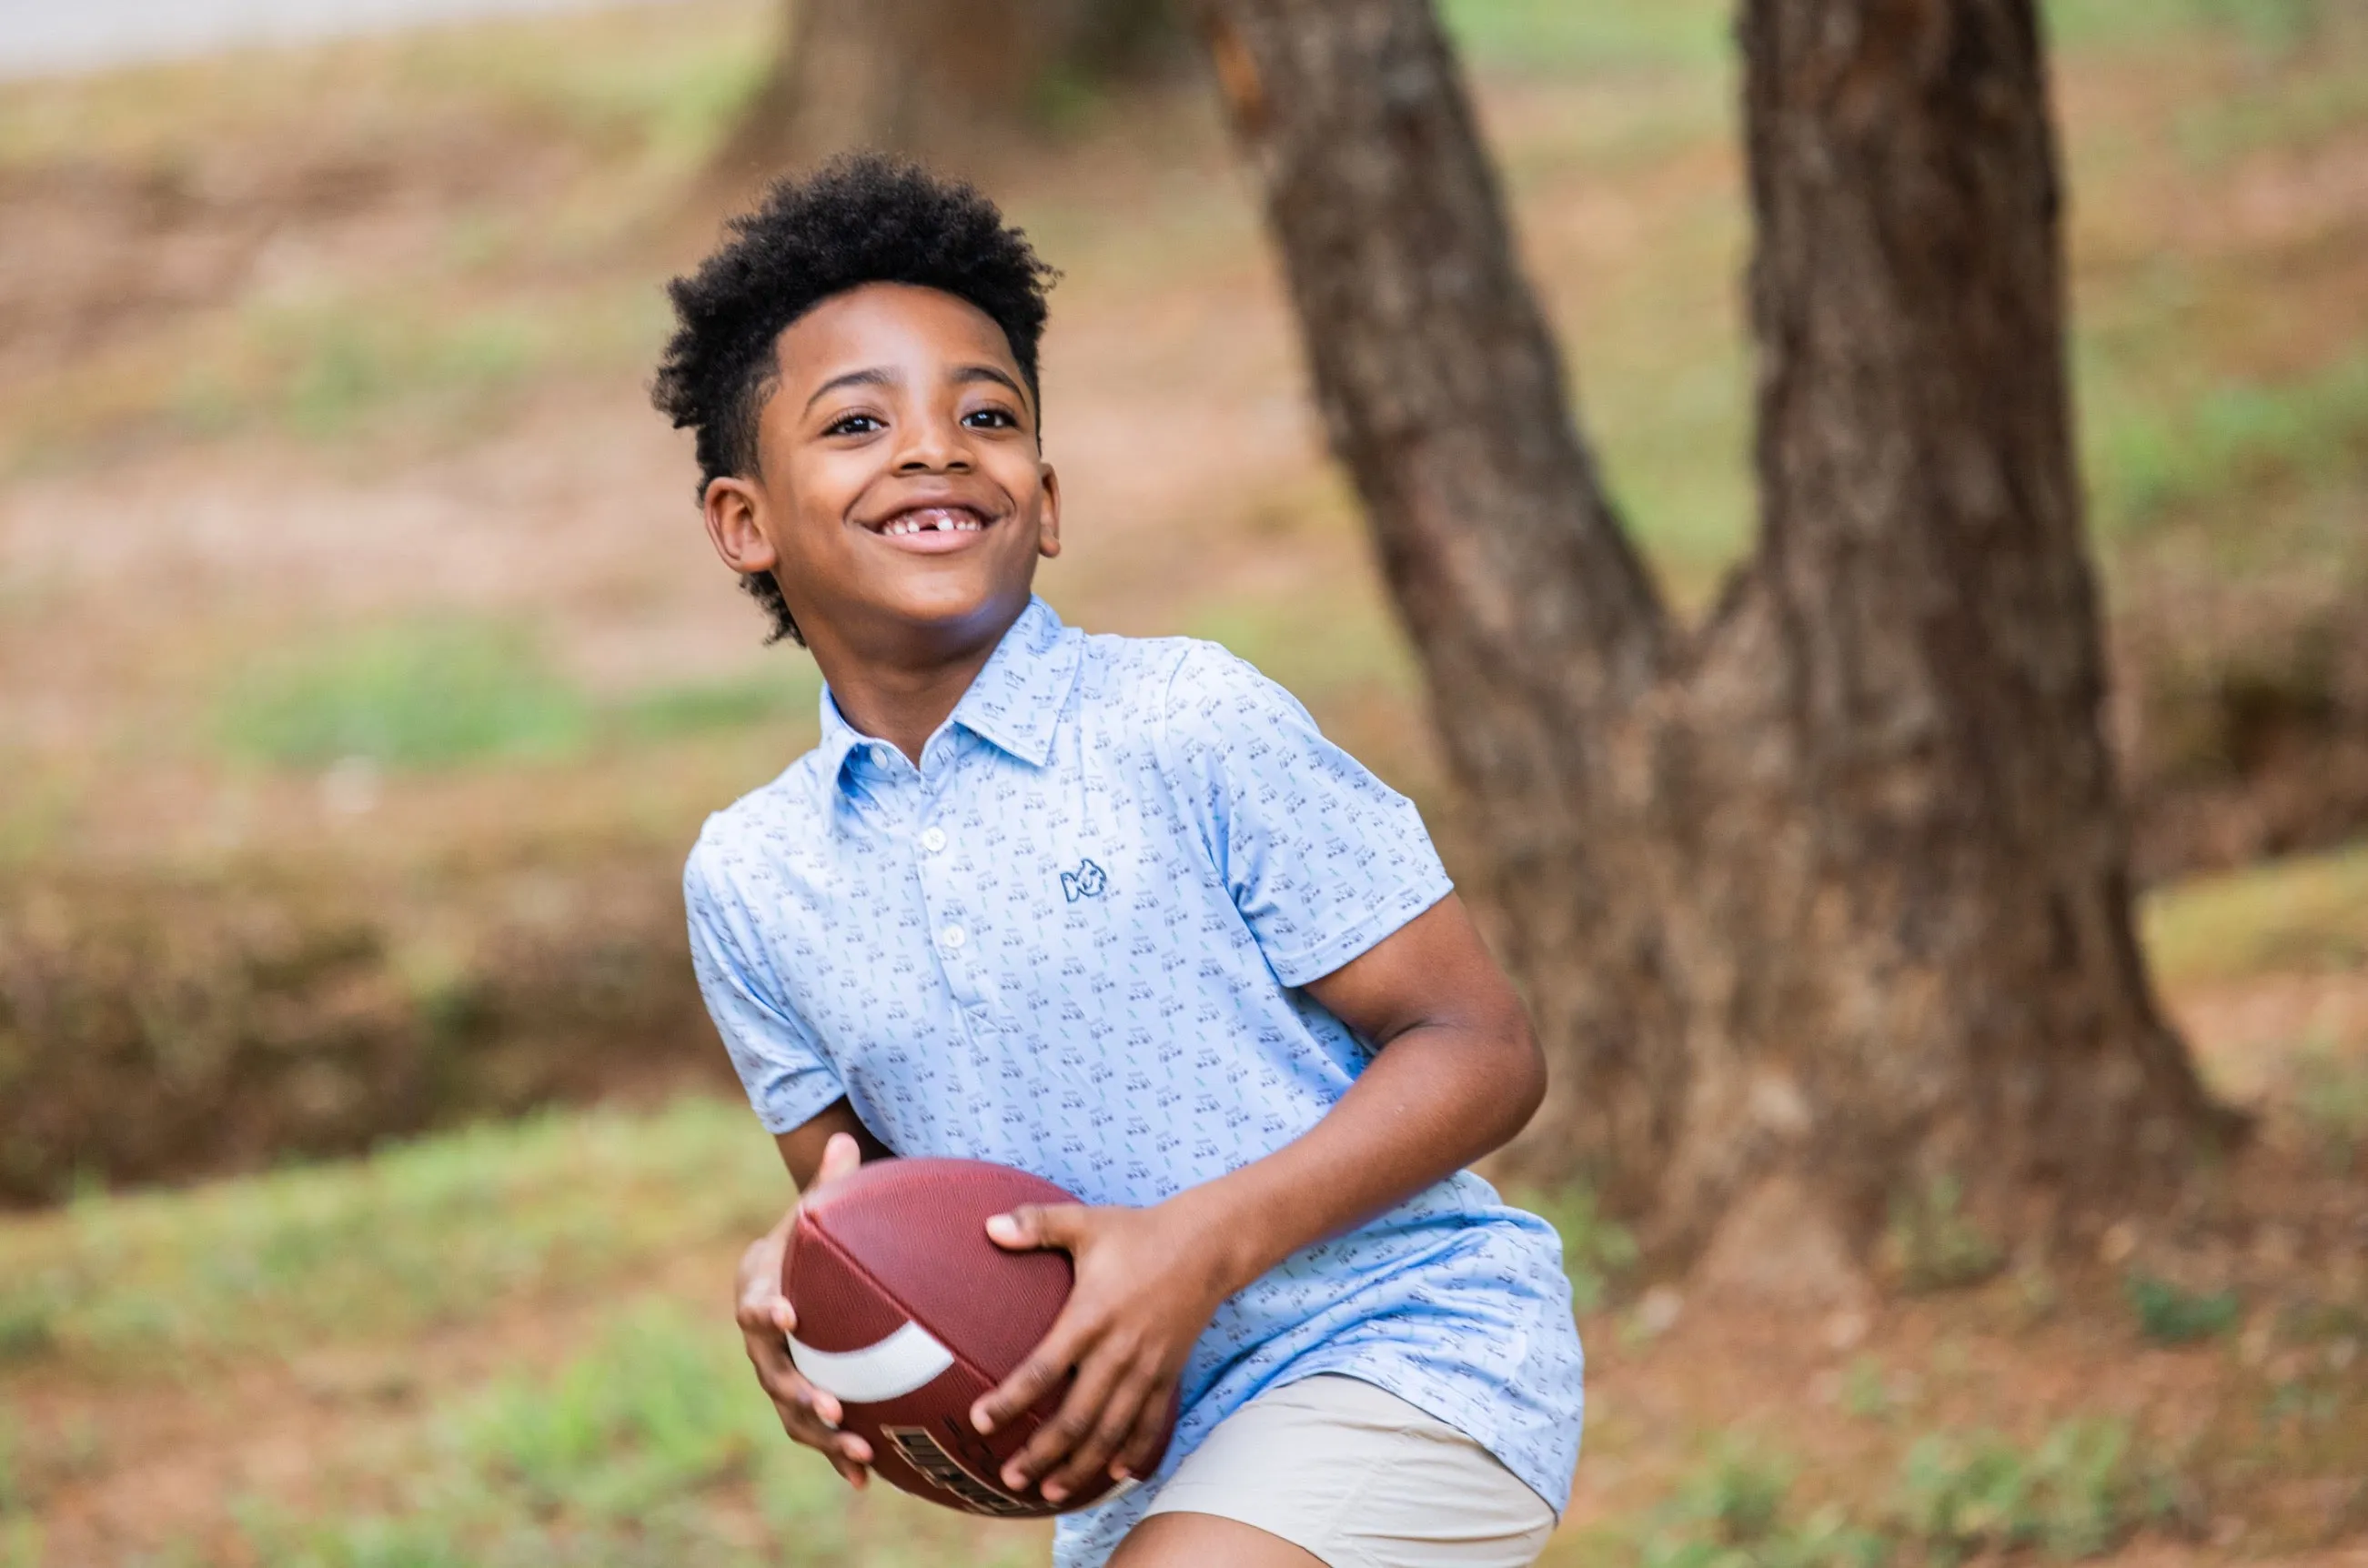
x=933, y=529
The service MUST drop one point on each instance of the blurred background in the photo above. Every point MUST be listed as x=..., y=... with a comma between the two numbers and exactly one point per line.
x=372, y=1175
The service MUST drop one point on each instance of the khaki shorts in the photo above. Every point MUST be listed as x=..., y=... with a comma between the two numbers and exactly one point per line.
x=1362, y=1479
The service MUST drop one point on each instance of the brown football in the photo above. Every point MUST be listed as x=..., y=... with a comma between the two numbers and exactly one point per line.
x=907, y=1313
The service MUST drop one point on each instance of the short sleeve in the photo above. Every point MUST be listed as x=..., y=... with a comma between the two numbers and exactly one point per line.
x=788, y=1080
x=1322, y=858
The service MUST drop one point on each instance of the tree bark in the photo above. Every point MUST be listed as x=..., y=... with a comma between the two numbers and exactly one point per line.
x=1827, y=899
x=937, y=79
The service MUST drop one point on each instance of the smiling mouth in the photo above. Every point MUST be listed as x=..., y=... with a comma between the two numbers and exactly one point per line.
x=932, y=520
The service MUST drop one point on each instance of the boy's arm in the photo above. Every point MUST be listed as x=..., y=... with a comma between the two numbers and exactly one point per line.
x=803, y=1147
x=1458, y=1072
x=818, y=1151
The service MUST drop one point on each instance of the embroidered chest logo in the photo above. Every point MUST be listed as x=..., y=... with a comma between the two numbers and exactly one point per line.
x=1086, y=882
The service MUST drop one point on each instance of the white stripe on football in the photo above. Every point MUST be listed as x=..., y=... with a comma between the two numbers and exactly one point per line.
x=908, y=1359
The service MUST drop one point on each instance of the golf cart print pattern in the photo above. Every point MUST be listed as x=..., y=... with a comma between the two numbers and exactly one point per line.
x=1072, y=940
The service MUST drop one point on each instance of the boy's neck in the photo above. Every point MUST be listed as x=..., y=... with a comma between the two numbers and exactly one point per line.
x=904, y=696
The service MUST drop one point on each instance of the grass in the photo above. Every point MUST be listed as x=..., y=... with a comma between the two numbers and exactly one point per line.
x=414, y=697
x=2170, y=1315
x=650, y=1446
x=2306, y=913
x=438, y=1231
x=445, y=692
x=669, y=711
x=2147, y=461
x=1596, y=1250
x=1931, y=1244
x=2331, y=1093
x=1551, y=35
x=1955, y=1497
x=2075, y=1494
x=2134, y=24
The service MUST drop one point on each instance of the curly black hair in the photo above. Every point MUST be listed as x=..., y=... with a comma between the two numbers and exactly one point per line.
x=862, y=217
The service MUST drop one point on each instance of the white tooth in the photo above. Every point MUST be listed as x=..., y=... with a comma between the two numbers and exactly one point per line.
x=945, y=523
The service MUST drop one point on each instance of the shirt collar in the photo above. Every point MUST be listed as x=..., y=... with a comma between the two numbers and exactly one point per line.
x=1014, y=703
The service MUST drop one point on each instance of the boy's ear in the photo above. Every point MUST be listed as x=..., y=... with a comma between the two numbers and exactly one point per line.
x=732, y=505
x=1048, y=527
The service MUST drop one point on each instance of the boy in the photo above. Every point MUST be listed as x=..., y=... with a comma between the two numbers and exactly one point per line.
x=1113, y=912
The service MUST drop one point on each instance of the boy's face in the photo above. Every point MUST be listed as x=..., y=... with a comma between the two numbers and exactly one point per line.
x=900, y=489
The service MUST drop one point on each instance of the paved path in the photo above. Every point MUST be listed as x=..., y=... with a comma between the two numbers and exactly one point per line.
x=43, y=37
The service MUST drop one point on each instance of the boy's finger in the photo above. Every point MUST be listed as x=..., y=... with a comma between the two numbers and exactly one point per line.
x=806, y=1425
x=1071, y=1425
x=764, y=1310
x=1039, y=1225
x=840, y=1155
x=1091, y=1456
x=1032, y=1379
x=779, y=1378
x=1134, y=1460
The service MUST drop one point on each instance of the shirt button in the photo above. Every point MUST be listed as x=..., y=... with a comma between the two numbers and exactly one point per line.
x=934, y=840
x=953, y=936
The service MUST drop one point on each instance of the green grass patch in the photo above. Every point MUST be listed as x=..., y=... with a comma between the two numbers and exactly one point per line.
x=1930, y=1243
x=2300, y=114
x=1556, y=34
x=374, y=357
x=671, y=81
x=446, y=692
x=2077, y=1495
x=771, y=697
x=2144, y=463
x=343, y=364
x=652, y=1447
x=427, y=695
x=1597, y=1251
x=2170, y=1315
x=2136, y=24
x=2078, y=1492
x=2331, y=1094
x=1345, y=645
x=438, y=1231
x=2304, y=913
x=1736, y=1511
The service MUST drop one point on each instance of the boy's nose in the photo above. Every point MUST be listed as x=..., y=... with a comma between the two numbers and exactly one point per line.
x=931, y=447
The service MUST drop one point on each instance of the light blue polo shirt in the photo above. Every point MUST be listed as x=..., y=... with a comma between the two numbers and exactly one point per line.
x=1072, y=940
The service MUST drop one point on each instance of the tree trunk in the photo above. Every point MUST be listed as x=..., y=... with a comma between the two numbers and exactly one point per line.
x=1825, y=903
x=937, y=79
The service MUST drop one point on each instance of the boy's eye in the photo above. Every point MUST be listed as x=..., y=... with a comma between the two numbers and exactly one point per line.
x=852, y=425
x=991, y=419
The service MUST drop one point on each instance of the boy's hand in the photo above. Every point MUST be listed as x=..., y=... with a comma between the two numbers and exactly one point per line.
x=1148, y=1281
x=808, y=1414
